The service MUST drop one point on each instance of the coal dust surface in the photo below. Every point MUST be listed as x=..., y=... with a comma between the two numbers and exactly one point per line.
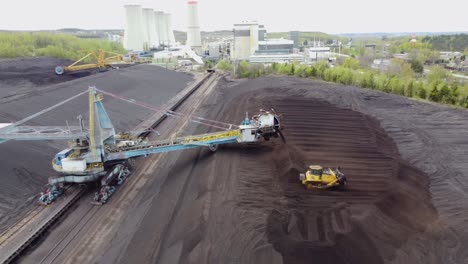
x=404, y=202
x=26, y=165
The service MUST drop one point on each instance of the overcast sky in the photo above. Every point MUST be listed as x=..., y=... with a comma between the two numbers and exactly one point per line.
x=338, y=16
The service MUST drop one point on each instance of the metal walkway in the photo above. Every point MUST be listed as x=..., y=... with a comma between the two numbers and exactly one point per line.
x=179, y=143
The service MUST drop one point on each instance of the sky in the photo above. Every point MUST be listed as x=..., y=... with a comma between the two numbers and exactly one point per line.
x=338, y=16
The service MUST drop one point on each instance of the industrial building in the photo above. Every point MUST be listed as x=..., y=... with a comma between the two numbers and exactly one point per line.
x=146, y=29
x=174, y=55
x=276, y=58
x=251, y=43
x=219, y=49
x=282, y=46
x=246, y=40
x=295, y=36
x=319, y=53
x=193, y=27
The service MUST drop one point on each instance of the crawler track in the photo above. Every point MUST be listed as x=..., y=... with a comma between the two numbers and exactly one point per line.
x=17, y=238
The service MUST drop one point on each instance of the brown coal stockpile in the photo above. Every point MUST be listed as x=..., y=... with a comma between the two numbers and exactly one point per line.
x=253, y=209
x=384, y=203
x=24, y=73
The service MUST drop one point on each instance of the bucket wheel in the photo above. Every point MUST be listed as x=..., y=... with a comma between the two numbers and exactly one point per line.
x=59, y=70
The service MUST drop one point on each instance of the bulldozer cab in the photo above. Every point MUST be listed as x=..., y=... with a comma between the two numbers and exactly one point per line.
x=316, y=170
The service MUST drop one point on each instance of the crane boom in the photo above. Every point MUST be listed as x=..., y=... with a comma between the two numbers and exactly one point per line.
x=13, y=131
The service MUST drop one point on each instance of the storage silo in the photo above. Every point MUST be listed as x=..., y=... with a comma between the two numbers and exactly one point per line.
x=149, y=26
x=134, y=29
x=193, y=30
x=170, y=31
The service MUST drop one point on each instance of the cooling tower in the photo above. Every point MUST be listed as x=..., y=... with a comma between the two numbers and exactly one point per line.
x=157, y=23
x=193, y=30
x=170, y=32
x=149, y=28
x=134, y=35
x=162, y=29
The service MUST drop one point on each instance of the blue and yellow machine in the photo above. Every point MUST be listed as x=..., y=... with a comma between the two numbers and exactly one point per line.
x=98, y=153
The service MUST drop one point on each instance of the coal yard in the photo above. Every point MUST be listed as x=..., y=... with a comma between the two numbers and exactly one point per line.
x=404, y=201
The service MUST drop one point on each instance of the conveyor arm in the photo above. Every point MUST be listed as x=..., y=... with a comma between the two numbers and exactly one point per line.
x=181, y=143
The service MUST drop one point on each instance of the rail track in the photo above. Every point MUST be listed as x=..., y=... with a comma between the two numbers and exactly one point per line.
x=25, y=231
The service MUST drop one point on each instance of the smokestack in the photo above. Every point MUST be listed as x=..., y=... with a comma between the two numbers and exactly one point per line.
x=134, y=33
x=193, y=31
x=150, y=27
x=170, y=32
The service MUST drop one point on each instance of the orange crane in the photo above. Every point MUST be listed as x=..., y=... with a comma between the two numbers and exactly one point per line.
x=103, y=61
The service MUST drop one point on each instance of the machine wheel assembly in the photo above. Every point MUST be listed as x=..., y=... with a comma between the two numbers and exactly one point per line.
x=59, y=70
x=213, y=147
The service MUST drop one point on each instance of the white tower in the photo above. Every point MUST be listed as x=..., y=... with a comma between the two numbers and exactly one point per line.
x=134, y=33
x=193, y=30
x=150, y=27
x=170, y=31
x=162, y=29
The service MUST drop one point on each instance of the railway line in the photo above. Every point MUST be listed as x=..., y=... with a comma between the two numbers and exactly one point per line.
x=25, y=231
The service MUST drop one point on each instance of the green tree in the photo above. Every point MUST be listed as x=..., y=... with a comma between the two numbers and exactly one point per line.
x=243, y=70
x=224, y=65
x=464, y=102
x=396, y=86
x=416, y=66
x=409, y=91
x=351, y=63
x=446, y=94
x=421, y=91
x=437, y=74
x=435, y=95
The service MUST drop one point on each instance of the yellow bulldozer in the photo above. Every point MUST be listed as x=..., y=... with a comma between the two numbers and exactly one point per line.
x=317, y=177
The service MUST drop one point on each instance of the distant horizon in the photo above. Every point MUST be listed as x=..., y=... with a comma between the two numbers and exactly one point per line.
x=342, y=33
x=343, y=17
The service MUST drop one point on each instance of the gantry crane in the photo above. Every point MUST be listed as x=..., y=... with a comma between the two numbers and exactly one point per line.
x=103, y=60
x=98, y=153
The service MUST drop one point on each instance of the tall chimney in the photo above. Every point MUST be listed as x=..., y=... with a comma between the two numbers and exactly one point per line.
x=193, y=31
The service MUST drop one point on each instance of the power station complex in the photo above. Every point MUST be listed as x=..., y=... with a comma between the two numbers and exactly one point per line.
x=147, y=29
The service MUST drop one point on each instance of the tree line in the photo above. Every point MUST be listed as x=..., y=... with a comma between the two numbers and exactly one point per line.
x=436, y=86
x=32, y=44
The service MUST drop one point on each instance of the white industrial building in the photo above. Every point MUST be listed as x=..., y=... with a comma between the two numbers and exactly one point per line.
x=146, y=29
x=175, y=54
x=251, y=44
x=193, y=27
x=276, y=58
x=319, y=53
x=246, y=40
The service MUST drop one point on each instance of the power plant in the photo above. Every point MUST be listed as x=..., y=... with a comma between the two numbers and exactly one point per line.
x=193, y=30
x=146, y=29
